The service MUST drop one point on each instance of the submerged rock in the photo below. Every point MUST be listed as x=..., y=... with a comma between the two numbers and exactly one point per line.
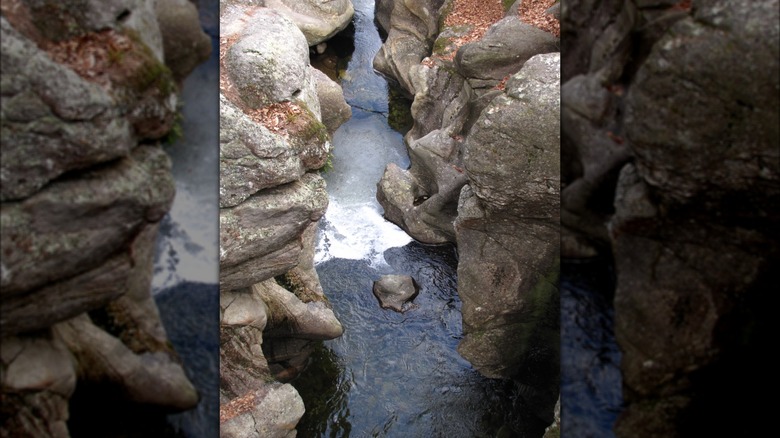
x=393, y=291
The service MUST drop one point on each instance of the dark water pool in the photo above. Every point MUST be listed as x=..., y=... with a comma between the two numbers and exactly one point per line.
x=590, y=359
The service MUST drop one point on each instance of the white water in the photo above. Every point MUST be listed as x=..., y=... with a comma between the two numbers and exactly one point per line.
x=188, y=239
x=353, y=227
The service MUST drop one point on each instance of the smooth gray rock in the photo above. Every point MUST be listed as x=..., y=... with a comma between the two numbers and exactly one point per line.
x=269, y=61
x=38, y=379
x=259, y=238
x=251, y=157
x=271, y=411
x=507, y=231
x=506, y=46
x=319, y=20
x=507, y=266
x=289, y=317
x=185, y=44
x=413, y=28
x=149, y=377
x=423, y=199
x=335, y=110
x=694, y=229
x=393, y=291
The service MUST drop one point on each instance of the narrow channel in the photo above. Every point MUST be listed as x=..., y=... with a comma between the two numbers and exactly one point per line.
x=390, y=374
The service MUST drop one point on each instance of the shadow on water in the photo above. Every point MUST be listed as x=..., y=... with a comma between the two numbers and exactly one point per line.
x=399, y=374
x=590, y=359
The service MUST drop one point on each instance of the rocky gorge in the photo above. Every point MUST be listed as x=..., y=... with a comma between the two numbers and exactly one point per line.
x=89, y=91
x=484, y=175
x=671, y=166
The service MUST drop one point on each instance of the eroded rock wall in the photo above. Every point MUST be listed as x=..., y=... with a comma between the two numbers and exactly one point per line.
x=272, y=142
x=86, y=97
x=673, y=163
x=485, y=166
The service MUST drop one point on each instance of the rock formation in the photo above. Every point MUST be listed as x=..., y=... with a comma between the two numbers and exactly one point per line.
x=273, y=139
x=393, y=291
x=86, y=97
x=672, y=162
x=484, y=174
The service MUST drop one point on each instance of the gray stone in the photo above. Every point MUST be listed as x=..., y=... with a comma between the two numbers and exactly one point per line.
x=393, y=291
x=289, y=317
x=413, y=28
x=319, y=20
x=512, y=154
x=507, y=231
x=38, y=379
x=71, y=18
x=335, y=110
x=271, y=411
x=269, y=61
x=259, y=238
x=184, y=42
x=507, y=267
x=52, y=120
x=71, y=244
x=151, y=377
x=251, y=157
x=506, y=46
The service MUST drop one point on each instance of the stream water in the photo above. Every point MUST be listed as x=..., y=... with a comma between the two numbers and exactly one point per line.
x=390, y=374
x=590, y=359
x=185, y=283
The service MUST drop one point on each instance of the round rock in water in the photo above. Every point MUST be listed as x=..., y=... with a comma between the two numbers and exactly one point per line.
x=393, y=291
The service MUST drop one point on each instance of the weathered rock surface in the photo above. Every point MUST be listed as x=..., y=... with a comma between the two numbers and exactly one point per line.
x=393, y=291
x=273, y=306
x=692, y=219
x=319, y=20
x=38, y=379
x=253, y=158
x=269, y=61
x=485, y=174
x=504, y=49
x=50, y=247
x=413, y=28
x=272, y=411
x=335, y=110
x=507, y=226
x=260, y=238
x=48, y=113
x=84, y=186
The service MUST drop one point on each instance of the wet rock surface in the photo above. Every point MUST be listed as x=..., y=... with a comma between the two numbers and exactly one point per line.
x=393, y=291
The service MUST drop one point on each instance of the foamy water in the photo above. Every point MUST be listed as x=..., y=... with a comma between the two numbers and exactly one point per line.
x=357, y=232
